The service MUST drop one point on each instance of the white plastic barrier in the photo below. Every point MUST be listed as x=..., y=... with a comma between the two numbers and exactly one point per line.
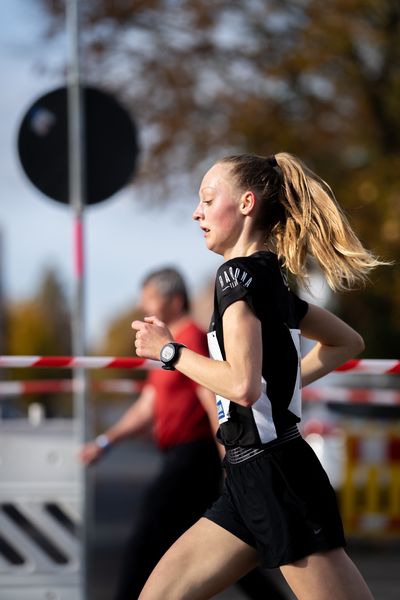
x=39, y=512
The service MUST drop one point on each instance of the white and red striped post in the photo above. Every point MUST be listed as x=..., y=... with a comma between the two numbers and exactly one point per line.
x=77, y=194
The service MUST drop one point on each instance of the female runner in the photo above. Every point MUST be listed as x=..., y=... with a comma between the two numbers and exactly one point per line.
x=265, y=216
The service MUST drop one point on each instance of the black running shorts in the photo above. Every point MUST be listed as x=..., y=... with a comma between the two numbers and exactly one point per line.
x=282, y=503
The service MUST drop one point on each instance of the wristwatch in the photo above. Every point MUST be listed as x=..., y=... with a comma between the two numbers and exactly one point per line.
x=103, y=441
x=170, y=354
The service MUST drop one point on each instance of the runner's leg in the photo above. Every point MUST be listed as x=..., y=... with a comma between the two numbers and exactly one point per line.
x=326, y=576
x=205, y=560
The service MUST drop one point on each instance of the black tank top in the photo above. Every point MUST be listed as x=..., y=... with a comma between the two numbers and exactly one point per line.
x=259, y=281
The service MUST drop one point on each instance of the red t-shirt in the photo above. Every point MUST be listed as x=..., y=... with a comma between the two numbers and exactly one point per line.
x=179, y=417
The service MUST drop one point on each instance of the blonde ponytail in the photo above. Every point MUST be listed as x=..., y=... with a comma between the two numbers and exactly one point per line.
x=316, y=225
x=299, y=216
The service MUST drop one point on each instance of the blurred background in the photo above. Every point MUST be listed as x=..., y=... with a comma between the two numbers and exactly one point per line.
x=199, y=79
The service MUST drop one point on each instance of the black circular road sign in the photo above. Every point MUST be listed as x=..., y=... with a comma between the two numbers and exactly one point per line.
x=111, y=145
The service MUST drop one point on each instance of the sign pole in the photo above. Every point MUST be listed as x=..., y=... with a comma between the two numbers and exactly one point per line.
x=77, y=193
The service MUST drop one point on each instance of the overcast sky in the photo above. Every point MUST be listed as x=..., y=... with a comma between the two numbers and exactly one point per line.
x=123, y=238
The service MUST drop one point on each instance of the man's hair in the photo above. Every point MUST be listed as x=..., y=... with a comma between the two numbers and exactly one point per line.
x=169, y=282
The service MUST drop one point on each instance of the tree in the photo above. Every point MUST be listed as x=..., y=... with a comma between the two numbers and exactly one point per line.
x=40, y=326
x=119, y=340
x=319, y=79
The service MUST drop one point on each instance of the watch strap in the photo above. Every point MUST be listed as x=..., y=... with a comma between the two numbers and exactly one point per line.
x=169, y=365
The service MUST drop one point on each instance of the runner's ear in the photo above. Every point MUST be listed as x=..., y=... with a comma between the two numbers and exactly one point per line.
x=247, y=202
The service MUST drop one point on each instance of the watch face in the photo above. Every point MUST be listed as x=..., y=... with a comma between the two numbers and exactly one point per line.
x=168, y=352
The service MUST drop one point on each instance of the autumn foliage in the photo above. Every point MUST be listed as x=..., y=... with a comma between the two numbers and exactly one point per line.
x=204, y=78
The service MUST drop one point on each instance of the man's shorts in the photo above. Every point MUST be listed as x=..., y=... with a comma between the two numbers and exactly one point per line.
x=280, y=502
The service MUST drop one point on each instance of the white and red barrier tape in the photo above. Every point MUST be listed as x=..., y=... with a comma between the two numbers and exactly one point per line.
x=50, y=386
x=374, y=449
x=387, y=397
x=371, y=366
x=84, y=362
x=351, y=395
x=363, y=366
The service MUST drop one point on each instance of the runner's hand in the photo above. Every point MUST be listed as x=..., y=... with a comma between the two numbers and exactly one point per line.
x=151, y=335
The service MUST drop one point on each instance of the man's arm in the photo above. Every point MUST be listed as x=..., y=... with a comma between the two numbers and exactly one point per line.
x=135, y=420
